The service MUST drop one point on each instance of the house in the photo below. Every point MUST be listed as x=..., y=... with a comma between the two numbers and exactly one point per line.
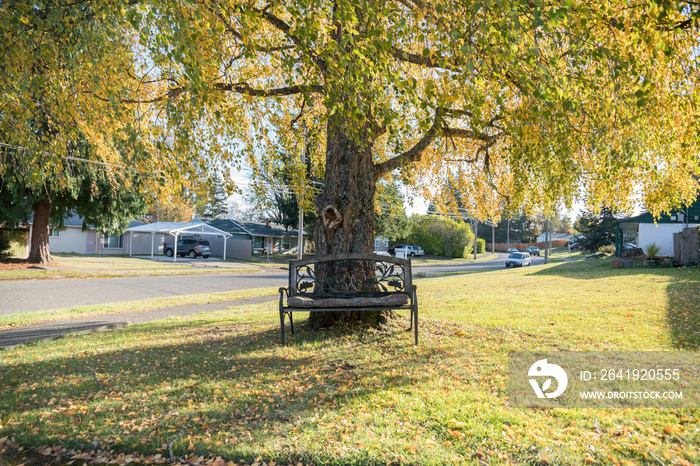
x=556, y=237
x=659, y=231
x=264, y=237
x=381, y=243
x=152, y=238
x=71, y=239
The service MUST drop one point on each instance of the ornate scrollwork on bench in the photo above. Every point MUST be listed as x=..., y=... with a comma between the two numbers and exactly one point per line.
x=353, y=276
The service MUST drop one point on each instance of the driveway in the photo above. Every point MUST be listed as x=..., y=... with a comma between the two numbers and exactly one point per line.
x=40, y=295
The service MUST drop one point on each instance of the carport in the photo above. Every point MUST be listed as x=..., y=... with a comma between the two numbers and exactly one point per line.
x=176, y=229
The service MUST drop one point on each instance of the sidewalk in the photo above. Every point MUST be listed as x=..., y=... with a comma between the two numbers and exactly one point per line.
x=58, y=328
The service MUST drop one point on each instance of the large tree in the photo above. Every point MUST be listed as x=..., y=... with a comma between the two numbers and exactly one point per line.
x=67, y=139
x=62, y=148
x=523, y=102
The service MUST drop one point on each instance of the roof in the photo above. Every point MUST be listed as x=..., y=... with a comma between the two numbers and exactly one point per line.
x=195, y=226
x=76, y=221
x=238, y=227
x=691, y=214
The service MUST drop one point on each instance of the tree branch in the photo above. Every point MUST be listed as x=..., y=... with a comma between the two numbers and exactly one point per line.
x=438, y=129
x=243, y=88
x=415, y=153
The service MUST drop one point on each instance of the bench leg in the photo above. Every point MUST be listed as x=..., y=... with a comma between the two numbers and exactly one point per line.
x=414, y=314
x=282, y=325
x=415, y=326
x=291, y=322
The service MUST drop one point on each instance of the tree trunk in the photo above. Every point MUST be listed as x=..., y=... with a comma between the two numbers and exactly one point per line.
x=349, y=227
x=39, y=249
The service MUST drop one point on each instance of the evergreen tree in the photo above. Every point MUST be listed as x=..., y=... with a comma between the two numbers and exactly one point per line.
x=213, y=202
x=390, y=217
x=597, y=230
x=106, y=197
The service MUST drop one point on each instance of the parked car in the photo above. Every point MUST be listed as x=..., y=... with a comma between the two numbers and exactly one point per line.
x=576, y=246
x=411, y=251
x=629, y=246
x=533, y=251
x=510, y=250
x=392, y=250
x=382, y=253
x=190, y=247
x=518, y=259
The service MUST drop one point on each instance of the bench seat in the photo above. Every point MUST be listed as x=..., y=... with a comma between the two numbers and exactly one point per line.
x=311, y=302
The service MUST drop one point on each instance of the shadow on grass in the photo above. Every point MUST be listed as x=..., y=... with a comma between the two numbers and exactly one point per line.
x=683, y=312
x=682, y=292
x=230, y=383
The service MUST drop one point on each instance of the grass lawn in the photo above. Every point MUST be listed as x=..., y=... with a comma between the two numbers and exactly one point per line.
x=218, y=387
x=86, y=266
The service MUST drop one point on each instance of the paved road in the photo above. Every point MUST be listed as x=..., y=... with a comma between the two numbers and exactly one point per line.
x=40, y=295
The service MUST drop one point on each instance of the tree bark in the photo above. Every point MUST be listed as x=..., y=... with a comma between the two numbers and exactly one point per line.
x=350, y=188
x=39, y=248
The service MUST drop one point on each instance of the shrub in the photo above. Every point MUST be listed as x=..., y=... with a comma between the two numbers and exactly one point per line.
x=652, y=249
x=443, y=237
x=480, y=246
x=609, y=249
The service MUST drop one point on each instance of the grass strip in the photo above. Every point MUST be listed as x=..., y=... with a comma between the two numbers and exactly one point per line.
x=27, y=318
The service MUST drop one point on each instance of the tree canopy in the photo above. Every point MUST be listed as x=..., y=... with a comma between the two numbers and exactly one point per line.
x=519, y=103
x=522, y=103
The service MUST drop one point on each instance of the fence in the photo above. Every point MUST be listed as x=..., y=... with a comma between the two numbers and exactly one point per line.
x=558, y=243
x=686, y=244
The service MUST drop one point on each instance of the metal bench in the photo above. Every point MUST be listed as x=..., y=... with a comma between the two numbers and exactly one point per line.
x=349, y=283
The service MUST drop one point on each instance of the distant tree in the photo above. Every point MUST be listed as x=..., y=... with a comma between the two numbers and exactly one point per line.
x=599, y=229
x=390, y=220
x=239, y=211
x=559, y=223
x=175, y=209
x=280, y=187
x=520, y=226
x=212, y=201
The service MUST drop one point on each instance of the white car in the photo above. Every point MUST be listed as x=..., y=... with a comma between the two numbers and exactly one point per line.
x=382, y=253
x=411, y=251
x=518, y=259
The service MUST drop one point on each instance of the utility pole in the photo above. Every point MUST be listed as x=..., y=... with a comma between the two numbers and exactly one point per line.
x=546, y=243
x=508, y=236
x=493, y=238
x=300, y=233
x=551, y=227
x=476, y=231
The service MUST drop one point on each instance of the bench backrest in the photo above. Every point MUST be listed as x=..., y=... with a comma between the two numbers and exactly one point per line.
x=350, y=275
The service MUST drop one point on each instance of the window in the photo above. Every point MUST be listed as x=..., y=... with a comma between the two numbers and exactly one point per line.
x=112, y=241
x=54, y=232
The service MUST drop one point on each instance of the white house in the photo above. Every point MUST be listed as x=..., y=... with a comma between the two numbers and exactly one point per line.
x=659, y=231
x=72, y=239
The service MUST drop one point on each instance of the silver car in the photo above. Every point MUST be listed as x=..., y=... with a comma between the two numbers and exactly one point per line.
x=518, y=259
